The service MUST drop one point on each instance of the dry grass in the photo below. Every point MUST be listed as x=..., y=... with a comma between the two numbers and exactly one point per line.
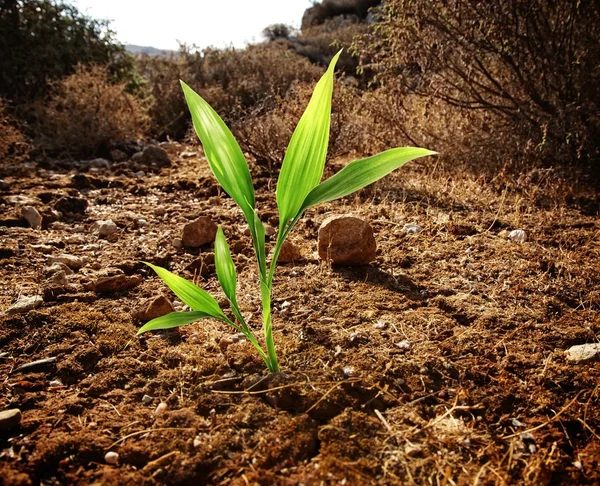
x=87, y=113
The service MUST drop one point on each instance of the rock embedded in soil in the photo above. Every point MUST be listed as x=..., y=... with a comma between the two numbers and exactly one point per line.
x=118, y=155
x=518, y=236
x=71, y=261
x=111, y=458
x=412, y=229
x=36, y=365
x=583, y=353
x=4, y=185
x=289, y=253
x=346, y=240
x=154, y=307
x=199, y=232
x=25, y=304
x=116, y=283
x=57, y=267
x=105, y=228
x=71, y=205
x=155, y=156
x=33, y=216
x=10, y=419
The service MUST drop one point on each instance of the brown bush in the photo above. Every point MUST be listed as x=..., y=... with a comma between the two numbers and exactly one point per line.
x=265, y=133
x=86, y=114
x=524, y=68
x=235, y=82
x=13, y=143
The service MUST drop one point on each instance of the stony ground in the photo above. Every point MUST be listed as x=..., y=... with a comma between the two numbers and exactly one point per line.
x=448, y=360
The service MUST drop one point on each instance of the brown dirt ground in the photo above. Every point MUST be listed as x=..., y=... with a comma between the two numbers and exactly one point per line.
x=483, y=394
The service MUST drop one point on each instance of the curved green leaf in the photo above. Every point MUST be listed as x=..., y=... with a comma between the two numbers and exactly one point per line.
x=174, y=319
x=223, y=153
x=225, y=267
x=304, y=159
x=190, y=294
x=361, y=173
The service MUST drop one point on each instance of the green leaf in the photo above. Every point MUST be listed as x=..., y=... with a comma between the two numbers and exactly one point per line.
x=174, y=319
x=190, y=294
x=223, y=153
x=225, y=267
x=361, y=173
x=304, y=159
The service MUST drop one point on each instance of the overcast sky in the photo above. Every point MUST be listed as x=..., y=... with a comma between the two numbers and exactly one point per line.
x=218, y=23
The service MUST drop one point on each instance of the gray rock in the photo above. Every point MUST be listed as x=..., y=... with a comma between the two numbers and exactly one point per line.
x=140, y=174
x=70, y=261
x=118, y=155
x=346, y=240
x=33, y=216
x=105, y=228
x=583, y=353
x=25, y=304
x=199, y=232
x=411, y=229
x=518, y=236
x=154, y=156
x=10, y=419
x=146, y=399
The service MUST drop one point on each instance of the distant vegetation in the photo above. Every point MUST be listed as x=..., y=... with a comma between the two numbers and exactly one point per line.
x=512, y=80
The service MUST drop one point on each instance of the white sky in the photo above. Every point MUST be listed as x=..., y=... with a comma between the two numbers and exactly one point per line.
x=217, y=23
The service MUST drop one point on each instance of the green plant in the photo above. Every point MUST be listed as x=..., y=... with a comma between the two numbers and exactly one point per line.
x=298, y=188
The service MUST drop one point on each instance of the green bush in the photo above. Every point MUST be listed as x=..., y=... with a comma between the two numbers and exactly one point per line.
x=42, y=41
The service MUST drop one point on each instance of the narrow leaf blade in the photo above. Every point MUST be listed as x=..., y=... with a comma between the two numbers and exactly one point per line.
x=361, y=173
x=223, y=153
x=304, y=159
x=174, y=319
x=190, y=294
x=225, y=267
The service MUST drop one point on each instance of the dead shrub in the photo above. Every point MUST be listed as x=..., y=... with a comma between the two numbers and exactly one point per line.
x=234, y=82
x=86, y=114
x=524, y=68
x=13, y=143
x=266, y=132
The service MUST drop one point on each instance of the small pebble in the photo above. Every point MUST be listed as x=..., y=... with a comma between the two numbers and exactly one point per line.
x=583, y=353
x=411, y=229
x=146, y=399
x=105, y=228
x=140, y=174
x=177, y=243
x=56, y=383
x=10, y=419
x=518, y=236
x=111, y=458
x=197, y=443
x=161, y=408
x=33, y=216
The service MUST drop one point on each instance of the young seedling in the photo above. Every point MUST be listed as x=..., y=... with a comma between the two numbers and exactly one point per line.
x=298, y=188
